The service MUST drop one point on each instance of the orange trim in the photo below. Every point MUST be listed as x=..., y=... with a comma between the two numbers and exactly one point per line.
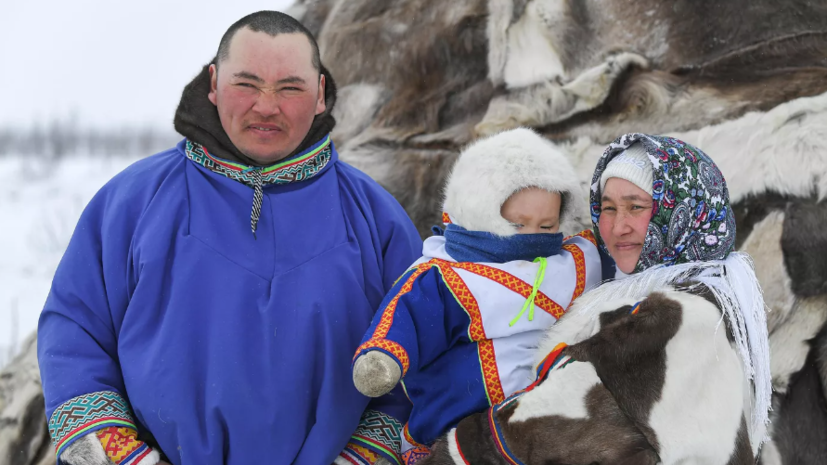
x=445, y=218
x=585, y=234
x=580, y=265
x=392, y=347
x=476, y=332
x=408, y=437
x=387, y=315
x=490, y=374
x=514, y=283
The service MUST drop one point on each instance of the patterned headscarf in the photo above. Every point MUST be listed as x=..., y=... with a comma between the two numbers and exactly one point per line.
x=693, y=228
x=691, y=216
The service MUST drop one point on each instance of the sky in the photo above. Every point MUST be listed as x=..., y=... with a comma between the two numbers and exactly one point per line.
x=104, y=63
x=99, y=64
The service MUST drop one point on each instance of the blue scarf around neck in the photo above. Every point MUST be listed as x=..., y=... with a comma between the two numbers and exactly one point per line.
x=479, y=246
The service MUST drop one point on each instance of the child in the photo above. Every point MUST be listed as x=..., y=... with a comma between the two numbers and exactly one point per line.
x=460, y=328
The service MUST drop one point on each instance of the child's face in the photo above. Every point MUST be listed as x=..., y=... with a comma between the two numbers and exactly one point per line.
x=533, y=210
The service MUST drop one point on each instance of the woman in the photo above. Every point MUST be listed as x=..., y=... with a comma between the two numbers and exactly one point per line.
x=660, y=209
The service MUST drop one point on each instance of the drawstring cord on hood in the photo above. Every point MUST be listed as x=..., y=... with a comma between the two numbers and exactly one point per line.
x=529, y=303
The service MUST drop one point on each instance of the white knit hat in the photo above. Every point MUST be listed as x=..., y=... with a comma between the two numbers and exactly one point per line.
x=632, y=165
x=490, y=170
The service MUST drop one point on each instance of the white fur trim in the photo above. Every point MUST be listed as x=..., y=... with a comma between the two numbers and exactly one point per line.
x=490, y=170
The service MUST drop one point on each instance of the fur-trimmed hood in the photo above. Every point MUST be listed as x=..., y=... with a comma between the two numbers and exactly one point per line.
x=490, y=170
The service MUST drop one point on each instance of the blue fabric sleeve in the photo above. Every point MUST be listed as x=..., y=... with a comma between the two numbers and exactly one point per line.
x=401, y=245
x=77, y=336
x=418, y=321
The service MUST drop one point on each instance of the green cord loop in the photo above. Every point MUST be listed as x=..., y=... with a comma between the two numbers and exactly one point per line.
x=529, y=303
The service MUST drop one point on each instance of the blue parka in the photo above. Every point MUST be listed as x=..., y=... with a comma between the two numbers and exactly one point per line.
x=228, y=347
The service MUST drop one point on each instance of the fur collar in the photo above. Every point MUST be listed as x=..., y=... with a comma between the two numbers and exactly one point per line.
x=197, y=119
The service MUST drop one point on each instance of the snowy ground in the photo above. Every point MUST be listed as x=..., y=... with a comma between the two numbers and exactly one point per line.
x=40, y=203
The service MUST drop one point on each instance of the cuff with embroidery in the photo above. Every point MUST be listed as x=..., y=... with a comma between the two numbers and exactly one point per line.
x=378, y=435
x=354, y=454
x=122, y=447
x=88, y=413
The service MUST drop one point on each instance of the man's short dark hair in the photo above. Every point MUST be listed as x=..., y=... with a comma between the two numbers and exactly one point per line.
x=271, y=23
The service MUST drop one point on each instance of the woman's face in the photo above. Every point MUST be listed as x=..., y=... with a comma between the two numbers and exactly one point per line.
x=625, y=212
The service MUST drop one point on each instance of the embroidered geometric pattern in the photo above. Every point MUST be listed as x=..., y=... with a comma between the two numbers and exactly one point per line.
x=580, y=266
x=298, y=169
x=490, y=374
x=358, y=455
x=381, y=433
x=391, y=347
x=294, y=170
x=585, y=234
x=87, y=413
x=415, y=455
x=476, y=332
x=122, y=445
x=514, y=283
x=445, y=218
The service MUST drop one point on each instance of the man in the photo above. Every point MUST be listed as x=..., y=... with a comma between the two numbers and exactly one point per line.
x=212, y=295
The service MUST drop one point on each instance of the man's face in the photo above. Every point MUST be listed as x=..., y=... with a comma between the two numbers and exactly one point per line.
x=267, y=93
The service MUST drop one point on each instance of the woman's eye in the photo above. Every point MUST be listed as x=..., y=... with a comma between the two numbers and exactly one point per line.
x=607, y=209
x=547, y=227
x=517, y=225
x=244, y=84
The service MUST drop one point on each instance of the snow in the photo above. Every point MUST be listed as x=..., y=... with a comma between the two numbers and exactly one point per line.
x=40, y=203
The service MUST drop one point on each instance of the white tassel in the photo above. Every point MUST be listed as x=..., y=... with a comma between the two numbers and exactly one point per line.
x=736, y=288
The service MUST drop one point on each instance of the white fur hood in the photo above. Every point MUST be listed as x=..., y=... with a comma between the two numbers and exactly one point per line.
x=491, y=169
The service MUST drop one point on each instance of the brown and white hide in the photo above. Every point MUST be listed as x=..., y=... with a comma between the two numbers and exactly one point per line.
x=663, y=385
x=799, y=417
x=670, y=65
x=775, y=164
x=24, y=436
x=417, y=76
x=743, y=80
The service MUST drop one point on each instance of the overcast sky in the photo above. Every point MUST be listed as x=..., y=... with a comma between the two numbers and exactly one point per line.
x=108, y=62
